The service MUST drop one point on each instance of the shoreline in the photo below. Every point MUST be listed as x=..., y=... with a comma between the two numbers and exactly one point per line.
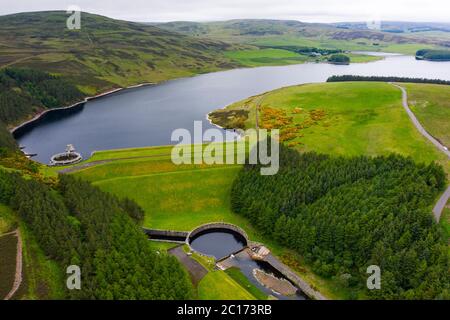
x=112, y=91
x=76, y=104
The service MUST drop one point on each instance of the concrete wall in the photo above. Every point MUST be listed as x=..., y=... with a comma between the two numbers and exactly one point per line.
x=218, y=225
x=154, y=234
x=293, y=277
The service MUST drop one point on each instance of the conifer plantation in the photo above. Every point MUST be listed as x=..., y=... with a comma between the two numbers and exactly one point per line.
x=24, y=92
x=76, y=223
x=345, y=214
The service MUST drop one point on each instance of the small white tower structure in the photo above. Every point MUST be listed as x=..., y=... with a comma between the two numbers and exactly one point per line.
x=70, y=149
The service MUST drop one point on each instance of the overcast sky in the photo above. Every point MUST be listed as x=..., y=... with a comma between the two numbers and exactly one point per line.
x=208, y=10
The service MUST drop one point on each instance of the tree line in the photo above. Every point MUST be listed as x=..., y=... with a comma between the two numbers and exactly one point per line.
x=344, y=78
x=76, y=223
x=433, y=55
x=345, y=214
x=339, y=59
x=23, y=92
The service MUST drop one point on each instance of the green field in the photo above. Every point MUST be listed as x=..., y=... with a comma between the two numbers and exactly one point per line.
x=265, y=57
x=174, y=197
x=358, y=44
x=240, y=278
x=359, y=118
x=431, y=105
x=217, y=285
x=275, y=57
x=445, y=221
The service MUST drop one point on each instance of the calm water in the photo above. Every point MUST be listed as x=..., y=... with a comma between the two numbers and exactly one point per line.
x=147, y=116
x=217, y=243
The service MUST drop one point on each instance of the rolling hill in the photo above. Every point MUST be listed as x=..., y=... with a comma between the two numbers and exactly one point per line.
x=289, y=32
x=105, y=52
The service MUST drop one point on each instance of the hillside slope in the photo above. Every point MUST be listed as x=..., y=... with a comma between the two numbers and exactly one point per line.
x=105, y=52
x=289, y=32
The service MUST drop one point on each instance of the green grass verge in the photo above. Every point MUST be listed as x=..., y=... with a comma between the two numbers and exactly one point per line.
x=276, y=57
x=431, y=105
x=7, y=220
x=265, y=57
x=161, y=246
x=240, y=278
x=217, y=285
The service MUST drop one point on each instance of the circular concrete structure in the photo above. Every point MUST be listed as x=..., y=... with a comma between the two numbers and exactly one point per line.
x=217, y=240
x=215, y=226
x=63, y=159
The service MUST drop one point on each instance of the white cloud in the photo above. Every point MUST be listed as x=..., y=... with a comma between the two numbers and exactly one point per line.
x=206, y=10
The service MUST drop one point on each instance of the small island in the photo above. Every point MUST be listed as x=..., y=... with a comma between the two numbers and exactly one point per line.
x=433, y=55
x=339, y=59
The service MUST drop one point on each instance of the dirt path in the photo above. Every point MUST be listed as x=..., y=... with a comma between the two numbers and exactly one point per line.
x=258, y=109
x=18, y=275
x=439, y=207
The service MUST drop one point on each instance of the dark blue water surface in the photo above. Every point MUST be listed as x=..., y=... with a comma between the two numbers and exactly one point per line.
x=217, y=243
x=147, y=116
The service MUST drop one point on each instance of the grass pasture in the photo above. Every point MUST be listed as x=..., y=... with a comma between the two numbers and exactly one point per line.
x=217, y=285
x=431, y=105
x=177, y=197
x=265, y=57
x=349, y=119
x=240, y=278
x=277, y=57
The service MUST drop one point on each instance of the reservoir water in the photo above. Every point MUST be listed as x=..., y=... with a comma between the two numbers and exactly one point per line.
x=146, y=116
x=217, y=243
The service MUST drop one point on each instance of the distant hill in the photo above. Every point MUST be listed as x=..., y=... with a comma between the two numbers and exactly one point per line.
x=399, y=26
x=105, y=52
x=347, y=36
